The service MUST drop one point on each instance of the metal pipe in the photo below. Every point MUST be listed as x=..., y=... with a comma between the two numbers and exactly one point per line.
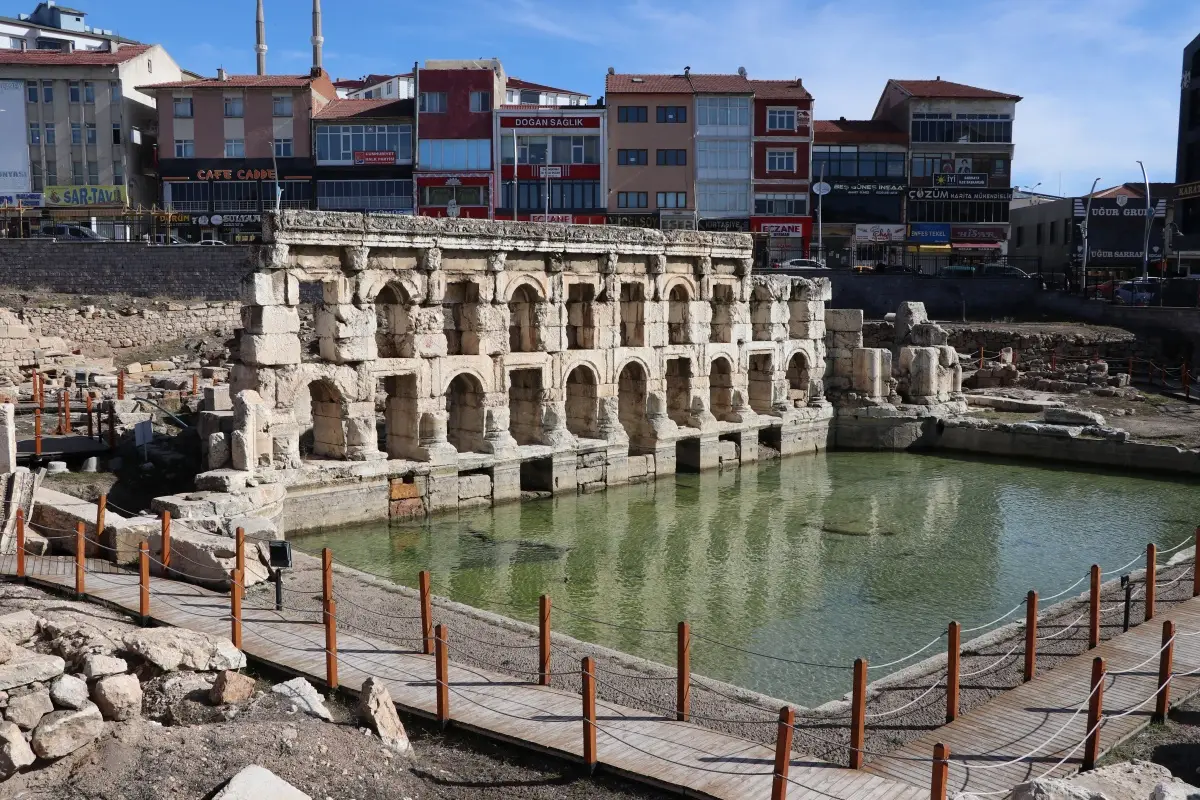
x=1149, y=221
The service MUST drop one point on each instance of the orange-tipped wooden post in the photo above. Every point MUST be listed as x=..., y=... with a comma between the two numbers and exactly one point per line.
x=195, y=383
x=589, y=712
x=66, y=396
x=112, y=428
x=37, y=432
x=235, y=607
x=858, y=714
x=426, y=613
x=1196, y=566
x=20, y=543
x=1091, y=747
x=165, y=556
x=1163, y=704
x=1094, y=609
x=1031, y=626
x=1131, y=369
x=58, y=415
x=783, y=752
x=981, y=356
x=442, y=671
x=121, y=385
x=953, y=660
x=683, y=672
x=544, y=640
x=239, y=539
x=941, y=772
x=80, y=547
x=101, y=508
x=1151, y=577
x=144, y=581
x=87, y=404
x=41, y=397
x=331, y=676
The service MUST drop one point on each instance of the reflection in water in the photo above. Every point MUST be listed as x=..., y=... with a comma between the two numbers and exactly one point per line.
x=821, y=558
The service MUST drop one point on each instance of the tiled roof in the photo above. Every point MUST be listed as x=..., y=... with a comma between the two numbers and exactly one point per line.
x=857, y=131
x=780, y=90
x=77, y=58
x=949, y=89
x=517, y=83
x=375, y=107
x=677, y=84
x=238, y=82
x=537, y=107
x=348, y=83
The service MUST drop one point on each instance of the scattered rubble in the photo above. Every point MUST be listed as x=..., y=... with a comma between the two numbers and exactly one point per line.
x=1132, y=780
x=304, y=697
x=256, y=783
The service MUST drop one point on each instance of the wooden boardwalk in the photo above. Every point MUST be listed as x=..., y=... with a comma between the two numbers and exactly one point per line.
x=1019, y=721
x=692, y=760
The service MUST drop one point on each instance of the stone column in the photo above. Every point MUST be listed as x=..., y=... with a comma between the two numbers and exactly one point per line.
x=8, y=438
x=496, y=437
x=362, y=437
x=434, y=446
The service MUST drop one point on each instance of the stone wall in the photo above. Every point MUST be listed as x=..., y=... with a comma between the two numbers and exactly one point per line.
x=100, y=268
x=944, y=298
x=133, y=326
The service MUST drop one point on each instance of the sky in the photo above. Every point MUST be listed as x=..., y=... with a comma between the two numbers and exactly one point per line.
x=1100, y=78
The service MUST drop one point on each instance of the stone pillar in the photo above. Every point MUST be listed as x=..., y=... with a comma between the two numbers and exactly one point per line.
x=362, y=436
x=872, y=367
x=496, y=436
x=506, y=482
x=554, y=422
x=346, y=331
x=434, y=446
x=8, y=438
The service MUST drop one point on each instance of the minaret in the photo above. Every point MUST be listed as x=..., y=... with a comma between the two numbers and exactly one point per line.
x=260, y=42
x=317, y=38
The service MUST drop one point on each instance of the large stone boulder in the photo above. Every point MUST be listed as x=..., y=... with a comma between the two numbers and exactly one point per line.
x=1131, y=779
x=27, y=667
x=69, y=692
x=15, y=752
x=1072, y=416
x=76, y=642
x=170, y=649
x=231, y=687
x=208, y=558
x=19, y=626
x=377, y=711
x=27, y=710
x=257, y=783
x=302, y=695
x=119, y=697
x=98, y=666
x=64, y=732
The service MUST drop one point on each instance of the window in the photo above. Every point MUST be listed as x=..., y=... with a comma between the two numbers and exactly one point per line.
x=575, y=150
x=51, y=174
x=1020, y=236
x=785, y=205
x=31, y=93
x=1038, y=233
x=440, y=196
x=35, y=133
x=672, y=158
x=723, y=159
x=295, y=194
x=1053, y=231
x=999, y=166
x=564, y=195
x=283, y=148
x=671, y=114
x=632, y=200
x=456, y=153
x=481, y=101
x=781, y=119
x=187, y=195
x=631, y=114
x=671, y=199
x=93, y=176
x=281, y=105
x=116, y=135
x=73, y=91
x=533, y=150
x=722, y=198
x=530, y=97
x=47, y=92
x=89, y=92
x=781, y=161
x=49, y=126
x=727, y=111
x=76, y=133
x=964, y=128
x=633, y=158
x=235, y=148
x=381, y=195
x=433, y=102
x=90, y=130
x=924, y=165
x=958, y=211
x=35, y=177
x=183, y=107
x=337, y=144
x=234, y=106
x=185, y=148
x=235, y=195
x=837, y=161
x=77, y=175
x=114, y=91
x=879, y=165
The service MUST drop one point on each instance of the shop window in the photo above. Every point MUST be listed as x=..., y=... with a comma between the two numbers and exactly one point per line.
x=632, y=199
x=187, y=195
x=364, y=195
x=235, y=196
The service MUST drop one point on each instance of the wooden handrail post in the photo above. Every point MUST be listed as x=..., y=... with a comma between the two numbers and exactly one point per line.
x=426, y=613
x=858, y=714
x=1094, y=609
x=58, y=413
x=144, y=581
x=66, y=411
x=101, y=508
x=165, y=556
x=783, y=752
x=1091, y=747
x=588, y=667
x=1196, y=565
x=1031, y=626
x=87, y=403
x=20, y=542
x=544, y=640
x=80, y=548
x=941, y=772
x=121, y=385
x=1053, y=360
x=195, y=383
x=37, y=432
x=953, y=660
x=1151, y=577
x=442, y=671
x=235, y=607
x=331, y=656
x=683, y=672
x=981, y=356
x=239, y=538
x=1165, y=659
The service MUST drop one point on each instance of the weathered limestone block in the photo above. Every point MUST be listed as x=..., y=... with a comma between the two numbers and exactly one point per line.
x=844, y=340
x=269, y=349
x=276, y=288
x=64, y=732
x=270, y=319
x=871, y=369
x=844, y=320
x=258, y=783
x=119, y=697
x=8, y=437
x=170, y=649
x=15, y=752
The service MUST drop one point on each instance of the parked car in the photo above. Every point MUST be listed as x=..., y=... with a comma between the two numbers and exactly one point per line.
x=799, y=263
x=958, y=271
x=211, y=243
x=1137, y=293
x=1002, y=271
x=77, y=232
x=163, y=239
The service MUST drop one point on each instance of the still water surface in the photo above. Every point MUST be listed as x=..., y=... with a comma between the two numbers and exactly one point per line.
x=820, y=559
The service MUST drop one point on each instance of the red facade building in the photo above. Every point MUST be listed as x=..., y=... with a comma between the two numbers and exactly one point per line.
x=782, y=143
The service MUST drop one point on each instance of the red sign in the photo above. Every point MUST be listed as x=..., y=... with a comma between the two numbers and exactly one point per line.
x=367, y=157
x=791, y=227
x=972, y=233
x=534, y=171
x=548, y=121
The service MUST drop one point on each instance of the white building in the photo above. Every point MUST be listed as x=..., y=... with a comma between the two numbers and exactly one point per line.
x=55, y=27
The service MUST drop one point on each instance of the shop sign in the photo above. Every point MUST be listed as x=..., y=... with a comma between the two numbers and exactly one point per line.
x=725, y=225
x=22, y=200
x=1185, y=191
x=634, y=220
x=785, y=227
x=965, y=179
x=1117, y=229
x=453, y=180
x=971, y=233
x=217, y=220
x=866, y=188
x=929, y=232
x=235, y=174
x=879, y=233
x=534, y=121
x=14, y=153
x=536, y=171
x=374, y=157
x=79, y=196
x=559, y=218
x=948, y=193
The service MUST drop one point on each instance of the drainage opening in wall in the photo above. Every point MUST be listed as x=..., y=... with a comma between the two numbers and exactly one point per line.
x=537, y=475
x=687, y=455
x=771, y=438
x=729, y=449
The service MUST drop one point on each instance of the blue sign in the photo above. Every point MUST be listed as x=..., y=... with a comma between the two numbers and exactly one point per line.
x=929, y=232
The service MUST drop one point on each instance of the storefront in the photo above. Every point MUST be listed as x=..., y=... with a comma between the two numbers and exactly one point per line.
x=224, y=199
x=551, y=163
x=973, y=243
x=879, y=244
x=1117, y=239
x=850, y=210
x=781, y=238
x=463, y=195
x=633, y=220
x=725, y=225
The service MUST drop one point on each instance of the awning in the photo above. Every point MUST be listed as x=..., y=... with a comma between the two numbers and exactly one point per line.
x=929, y=248
x=975, y=245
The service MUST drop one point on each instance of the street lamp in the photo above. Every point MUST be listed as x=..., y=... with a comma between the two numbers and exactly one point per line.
x=1083, y=229
x=1149, y=221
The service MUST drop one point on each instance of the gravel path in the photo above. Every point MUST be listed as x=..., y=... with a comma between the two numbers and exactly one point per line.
x=901, y=707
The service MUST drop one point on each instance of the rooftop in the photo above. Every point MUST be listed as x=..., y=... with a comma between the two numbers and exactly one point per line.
x=75, y=58
x=857, y=131
x=376, y=107
x=517, y=83
x=939, y=88
x=780, y=90
x=237, y=81
x=691, y=83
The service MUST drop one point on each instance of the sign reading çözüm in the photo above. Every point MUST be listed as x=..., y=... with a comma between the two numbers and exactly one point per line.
x=929, y=232
x=235, y=174
x=78, y=196
x=14, y=152
x=535, y=121
x=967, y=179
x=373, y=157
x=879, y=233
x=957, y=193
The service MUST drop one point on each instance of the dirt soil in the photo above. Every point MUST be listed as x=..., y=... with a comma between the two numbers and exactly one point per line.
x=1081, y=329
x=1174, y=744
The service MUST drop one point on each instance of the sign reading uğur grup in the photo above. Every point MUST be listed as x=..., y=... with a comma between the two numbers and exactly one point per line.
x=80, y=196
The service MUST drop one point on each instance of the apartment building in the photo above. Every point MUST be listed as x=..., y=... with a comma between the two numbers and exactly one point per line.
x=54, y=27
x=364, y=155
x=782, y=142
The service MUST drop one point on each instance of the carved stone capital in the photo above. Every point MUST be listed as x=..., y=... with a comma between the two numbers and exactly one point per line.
x=608, y=264
x=657, y=264
x=354, y=258
x=431, y=259
x=495, y=261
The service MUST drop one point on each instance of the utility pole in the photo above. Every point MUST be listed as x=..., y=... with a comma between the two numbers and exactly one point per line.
x=1087, y=217
x=1149, y=222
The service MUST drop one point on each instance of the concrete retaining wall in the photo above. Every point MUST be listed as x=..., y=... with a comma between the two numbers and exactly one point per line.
x=944, y=298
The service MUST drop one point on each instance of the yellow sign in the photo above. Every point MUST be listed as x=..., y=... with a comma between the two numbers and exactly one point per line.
x=80, y=196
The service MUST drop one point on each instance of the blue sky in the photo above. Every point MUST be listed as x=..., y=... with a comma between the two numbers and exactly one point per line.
x=1100, y=78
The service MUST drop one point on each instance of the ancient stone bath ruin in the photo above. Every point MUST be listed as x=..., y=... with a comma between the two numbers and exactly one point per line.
x=463, y=362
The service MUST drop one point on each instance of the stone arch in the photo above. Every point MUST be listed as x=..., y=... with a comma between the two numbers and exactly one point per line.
x=760, y=374
x=465, y=412
x=372, y=282
x=540, y=291
x=679, y=314
x=522, y=319
x=632, y=393
x=720, y=388
x=688, y=283
x=798, y=376
x=393, y=325
x=583, y=406
x=761, y=304
x=328, y=413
